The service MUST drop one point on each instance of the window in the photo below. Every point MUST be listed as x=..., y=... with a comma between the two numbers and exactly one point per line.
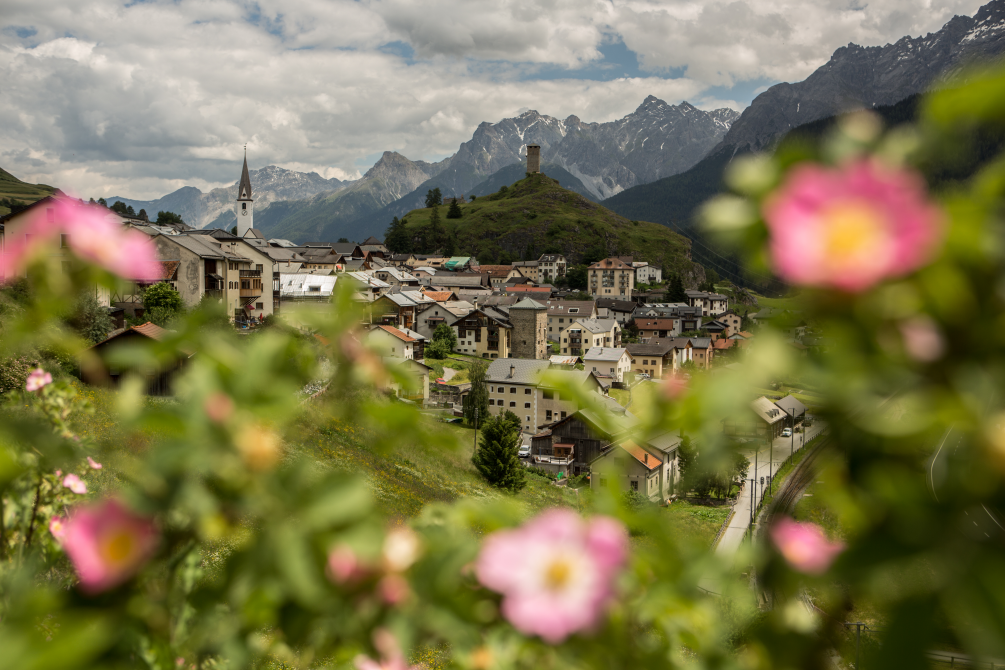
x=563, y=415
x=512, y=389
x=635, y=485
x=573, y=310
x=244, y=205
x=527, y=419
x=612, y=369
x=512, y=404
x=549, y=395
x=258, y=305
x=492, y=389
x=547, y=415
x=259, y=267
x=526, y=391
x=561, y=320
x=603, y=481
x=64, y=241
x=491, y=402
x=526, y=405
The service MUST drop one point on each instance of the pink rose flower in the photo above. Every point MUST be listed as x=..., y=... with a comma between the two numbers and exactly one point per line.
x=94, y=464
x=556, y=572
x=57, y=526
x=107, y=544
x=37, y=380
x=344, y=565
x=93, y=235
x=852, y=226
x=804, y=546
x=75, y=484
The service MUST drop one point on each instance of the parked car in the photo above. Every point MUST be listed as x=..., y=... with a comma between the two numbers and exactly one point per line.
x=787, y=432
x=524, y=451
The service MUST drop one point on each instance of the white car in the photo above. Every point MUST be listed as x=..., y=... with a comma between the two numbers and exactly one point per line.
x=787, y=432
x=524, y=451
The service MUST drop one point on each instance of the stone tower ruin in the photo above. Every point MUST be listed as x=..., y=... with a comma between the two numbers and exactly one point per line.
x=530, y=329
x=533, y=158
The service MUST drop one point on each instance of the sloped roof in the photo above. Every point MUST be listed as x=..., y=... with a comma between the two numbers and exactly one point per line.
x=604, y=354
x=617, y=305
x=244, y=187
x=516, y=370
x=527, y=303
x=665, y=442
x=656, y=324
x=372, y=241
x=789, y=404
x=151, y=330
x=767, y=410
x=655, y=347
x=559, y=359
x=597, y=325
x=397, y=333
x=169, y=269
x=611, y=264
x=648, y=461
x=439, y=296
x=701, y=342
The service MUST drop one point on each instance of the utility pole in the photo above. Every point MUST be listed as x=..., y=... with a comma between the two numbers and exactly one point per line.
x=475, y=448
x=752, y=485
x=792, y=442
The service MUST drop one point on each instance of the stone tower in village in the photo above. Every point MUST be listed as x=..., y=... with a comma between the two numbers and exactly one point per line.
x=530, y=329
x=533, y=158
x=245, y=206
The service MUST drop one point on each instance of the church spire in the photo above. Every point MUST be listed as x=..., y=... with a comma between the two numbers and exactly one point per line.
x=244, y=187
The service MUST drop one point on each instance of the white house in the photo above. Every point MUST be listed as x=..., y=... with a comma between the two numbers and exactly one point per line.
x=392, y=343
x=612, y=362
x=647, y=274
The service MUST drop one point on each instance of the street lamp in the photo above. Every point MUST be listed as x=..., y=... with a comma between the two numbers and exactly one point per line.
x=792, y=433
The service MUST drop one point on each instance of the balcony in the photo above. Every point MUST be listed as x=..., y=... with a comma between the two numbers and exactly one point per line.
x=251, y=292
x=251, y=273
x=554, y=460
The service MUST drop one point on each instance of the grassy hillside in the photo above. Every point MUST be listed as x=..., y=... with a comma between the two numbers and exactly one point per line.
x=536, y=215
x=15, y=191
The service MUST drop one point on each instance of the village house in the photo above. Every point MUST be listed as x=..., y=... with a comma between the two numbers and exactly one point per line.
x=563, y=313
x=711, y=304
x=763, y=420
x=399, y=308
x=529, y=269
x=702, y=352
x=529, y=389
x=586, y=333
x=432, y=315
x=610, y=278
x=391, y=342
x=660, y=358
x=733, y=322
x=571, y=443
x=628, y=467
x=416, y=373
x=647, y=274
x=395, y=276
x=498, y=274
x=613, y=362
x=551, y=267
x=159, y=381
x=484, y=332
x=621, y=311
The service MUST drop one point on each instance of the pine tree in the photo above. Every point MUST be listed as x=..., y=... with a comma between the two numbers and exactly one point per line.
x=675, y=292
x=396, y=239
x=478, y=396
x=497, y=457
x=435, y=237
x=455, y=210
x=434, y=197
x=143, y=215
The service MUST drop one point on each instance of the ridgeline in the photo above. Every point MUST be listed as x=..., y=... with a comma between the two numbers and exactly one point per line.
x=536, y=216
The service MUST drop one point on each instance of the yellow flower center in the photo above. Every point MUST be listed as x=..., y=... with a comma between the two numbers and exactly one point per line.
x=852, y=228
x=118, y=547
x=557, y=575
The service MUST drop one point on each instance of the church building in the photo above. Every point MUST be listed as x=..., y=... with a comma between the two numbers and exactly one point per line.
x=245, y=204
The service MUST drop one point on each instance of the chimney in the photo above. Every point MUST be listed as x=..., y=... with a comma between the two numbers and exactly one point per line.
x=512, y=371
x=646, y=457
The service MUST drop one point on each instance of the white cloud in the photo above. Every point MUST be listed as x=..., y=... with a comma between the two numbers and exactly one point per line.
x=109, y=98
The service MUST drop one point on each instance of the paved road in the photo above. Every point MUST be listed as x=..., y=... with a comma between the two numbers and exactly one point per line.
x=779, y=451
x=448, y=374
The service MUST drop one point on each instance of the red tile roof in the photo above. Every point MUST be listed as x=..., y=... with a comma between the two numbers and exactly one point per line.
x=640, y=454
x=439, y=296
x=397, y=333
x=151, y=330
x=655, y=324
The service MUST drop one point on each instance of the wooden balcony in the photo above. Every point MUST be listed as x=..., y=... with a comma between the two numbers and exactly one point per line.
x=251, y=292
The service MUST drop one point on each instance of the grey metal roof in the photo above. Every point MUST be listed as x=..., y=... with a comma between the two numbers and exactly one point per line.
x=790, y=405
x=597, y=325
x=604, y=354
x=527, y=303
x=666, y=442
x=516, y=370
x=701, y=342
x=654, y=347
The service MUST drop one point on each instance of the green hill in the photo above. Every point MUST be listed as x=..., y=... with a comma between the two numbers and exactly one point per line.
x=536, y=215
x=13, y=191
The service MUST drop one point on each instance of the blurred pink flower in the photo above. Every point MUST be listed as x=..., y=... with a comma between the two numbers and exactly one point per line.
x=94, y=464
x=93, y=234
x=75, y=484
x=390, y=653
x=57, y=526
x=218, y=406
x=556, y=572
x=805, y=546
x=393, y=589
x=344, y=565
x=852, y=226
x=922, y=339
x=107, y=544
x=37, y=379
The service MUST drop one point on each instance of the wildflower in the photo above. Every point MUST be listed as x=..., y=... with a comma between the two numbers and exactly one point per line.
x=57, y=526
x=344, y=565
x=218, y=406
x=92, y=234
x=94, y=464
x=391, y=656
x=852, y=226
x=107, y=544
x=922, y=339
x=804, y=546
x=75, y=484
x=259, y=446
x=555, y=572
x=393, y=589
x=401, y=549
x=37, y=380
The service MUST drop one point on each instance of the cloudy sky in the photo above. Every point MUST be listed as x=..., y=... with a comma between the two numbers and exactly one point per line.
x=139, y=98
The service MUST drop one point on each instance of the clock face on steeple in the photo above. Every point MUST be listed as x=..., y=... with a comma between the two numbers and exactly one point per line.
x=244, y=212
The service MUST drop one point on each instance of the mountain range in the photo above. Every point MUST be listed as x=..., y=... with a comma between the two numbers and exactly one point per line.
x=593, y=159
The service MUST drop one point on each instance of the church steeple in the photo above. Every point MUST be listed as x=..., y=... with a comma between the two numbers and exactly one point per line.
x=244, y=188
x=245, y=205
